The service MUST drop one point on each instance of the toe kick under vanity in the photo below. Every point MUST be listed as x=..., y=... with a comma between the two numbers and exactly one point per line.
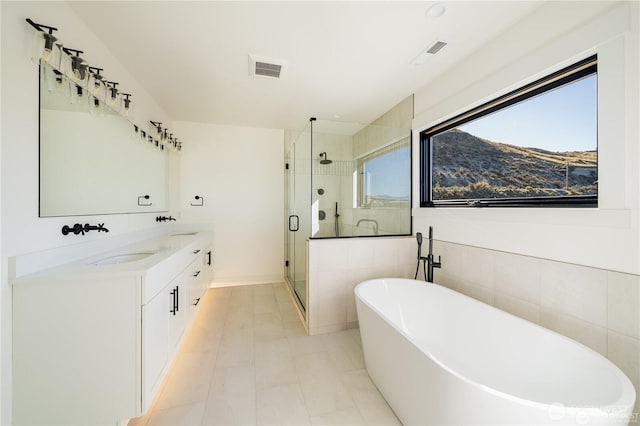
x=93, y=339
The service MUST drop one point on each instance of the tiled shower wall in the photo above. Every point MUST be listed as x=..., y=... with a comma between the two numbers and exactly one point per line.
x=337, y=265
x=596, y=307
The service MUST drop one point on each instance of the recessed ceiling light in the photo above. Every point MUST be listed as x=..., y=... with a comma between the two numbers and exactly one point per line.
x=435, y=11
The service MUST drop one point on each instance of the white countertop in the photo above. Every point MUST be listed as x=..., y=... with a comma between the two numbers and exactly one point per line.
x=162, y=247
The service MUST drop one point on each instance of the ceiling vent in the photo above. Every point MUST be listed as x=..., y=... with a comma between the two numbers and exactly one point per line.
x=424, y=56
x=266, y=67
x=435, y=47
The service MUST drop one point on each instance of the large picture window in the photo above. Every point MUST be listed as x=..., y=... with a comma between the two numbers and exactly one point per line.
x=536, y=146
x=384, y=176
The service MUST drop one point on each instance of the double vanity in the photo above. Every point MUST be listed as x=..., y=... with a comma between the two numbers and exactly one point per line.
x=94, y=338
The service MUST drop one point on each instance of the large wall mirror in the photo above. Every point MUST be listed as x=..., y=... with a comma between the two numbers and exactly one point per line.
x=92, y=159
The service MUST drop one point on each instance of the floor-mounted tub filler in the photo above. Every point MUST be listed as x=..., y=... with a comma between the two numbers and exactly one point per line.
x=439, y=357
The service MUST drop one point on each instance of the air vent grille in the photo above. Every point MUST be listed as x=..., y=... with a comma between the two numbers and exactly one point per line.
x=266, y=67
x=268, y=70
x=435, y=47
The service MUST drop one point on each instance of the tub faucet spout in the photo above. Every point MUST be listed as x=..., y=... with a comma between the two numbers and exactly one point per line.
x=431, y=263
x=428, y=261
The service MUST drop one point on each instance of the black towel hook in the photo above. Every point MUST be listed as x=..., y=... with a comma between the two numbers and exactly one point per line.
x=143, y=197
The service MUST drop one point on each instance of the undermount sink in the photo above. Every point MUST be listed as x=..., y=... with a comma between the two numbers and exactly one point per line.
x=123, y=258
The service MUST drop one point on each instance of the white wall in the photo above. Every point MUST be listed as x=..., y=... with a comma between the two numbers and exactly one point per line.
x=240, y=173
x=556, y=34
x=21, y=229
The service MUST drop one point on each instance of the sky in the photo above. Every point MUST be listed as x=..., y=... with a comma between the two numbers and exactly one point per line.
x=390, y=174
x=561, y=120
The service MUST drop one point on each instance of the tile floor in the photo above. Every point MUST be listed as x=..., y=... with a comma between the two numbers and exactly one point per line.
x=247, y=361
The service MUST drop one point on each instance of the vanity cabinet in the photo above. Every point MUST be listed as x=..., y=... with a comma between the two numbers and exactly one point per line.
x=155, y=347
x=199, y=279
x=93, y=345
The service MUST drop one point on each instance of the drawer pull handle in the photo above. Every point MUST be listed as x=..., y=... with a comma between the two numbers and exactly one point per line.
x=196, y=274
x=174, y=308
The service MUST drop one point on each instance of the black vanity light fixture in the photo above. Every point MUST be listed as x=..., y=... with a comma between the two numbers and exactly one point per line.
x=113, y=95
x=97, y=85
x=165, y=137
x=126, y=104
x=45, y=34
x=78, y=65
x=66, y=70
x=157, y=125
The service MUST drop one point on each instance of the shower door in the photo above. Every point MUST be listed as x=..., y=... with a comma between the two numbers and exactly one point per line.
x=299, y=213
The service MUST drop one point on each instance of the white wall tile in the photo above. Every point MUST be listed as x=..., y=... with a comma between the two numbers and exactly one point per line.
x=354, y=277
x=517, y=276
x=360, y=253
x=406, y=250
x=582, y=331
x=623, y=300
x=469, y=265
x=384, y=252
x=313, y=300
x=332, y=296
x=408, y=270
x=483, y=294
x=521, y=308
x=625, y=353
x=332, y=254
x=575, y=290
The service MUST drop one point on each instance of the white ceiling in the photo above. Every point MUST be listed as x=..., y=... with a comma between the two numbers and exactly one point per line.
x=351, y=58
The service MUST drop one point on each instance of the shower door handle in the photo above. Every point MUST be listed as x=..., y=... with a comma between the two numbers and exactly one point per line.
x=291, y=228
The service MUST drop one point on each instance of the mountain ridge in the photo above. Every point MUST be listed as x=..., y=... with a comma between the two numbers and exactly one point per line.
x=467, y=166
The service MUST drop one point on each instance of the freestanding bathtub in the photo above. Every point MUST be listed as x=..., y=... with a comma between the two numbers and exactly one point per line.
x=439, y=357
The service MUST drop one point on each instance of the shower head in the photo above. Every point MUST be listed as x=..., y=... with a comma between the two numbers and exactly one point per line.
x=325, y=160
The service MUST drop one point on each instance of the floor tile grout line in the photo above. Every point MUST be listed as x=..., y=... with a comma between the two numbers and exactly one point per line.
x=206, y=401
x=255, y=370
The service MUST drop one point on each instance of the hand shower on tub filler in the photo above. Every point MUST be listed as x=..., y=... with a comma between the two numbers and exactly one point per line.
x=428, y=262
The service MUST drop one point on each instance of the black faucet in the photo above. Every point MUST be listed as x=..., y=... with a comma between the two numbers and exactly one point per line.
x=80, y=229
x=428, y=263
x=431, y=264
x=164, y=218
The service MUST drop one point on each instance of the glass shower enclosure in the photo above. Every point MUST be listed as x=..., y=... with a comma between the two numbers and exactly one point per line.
x=298, y=208
x=344, y=180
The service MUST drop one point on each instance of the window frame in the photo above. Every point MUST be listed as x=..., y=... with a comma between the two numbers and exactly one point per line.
x=551, y=82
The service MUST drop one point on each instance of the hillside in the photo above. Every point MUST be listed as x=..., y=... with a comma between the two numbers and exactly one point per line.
x=472, y=167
